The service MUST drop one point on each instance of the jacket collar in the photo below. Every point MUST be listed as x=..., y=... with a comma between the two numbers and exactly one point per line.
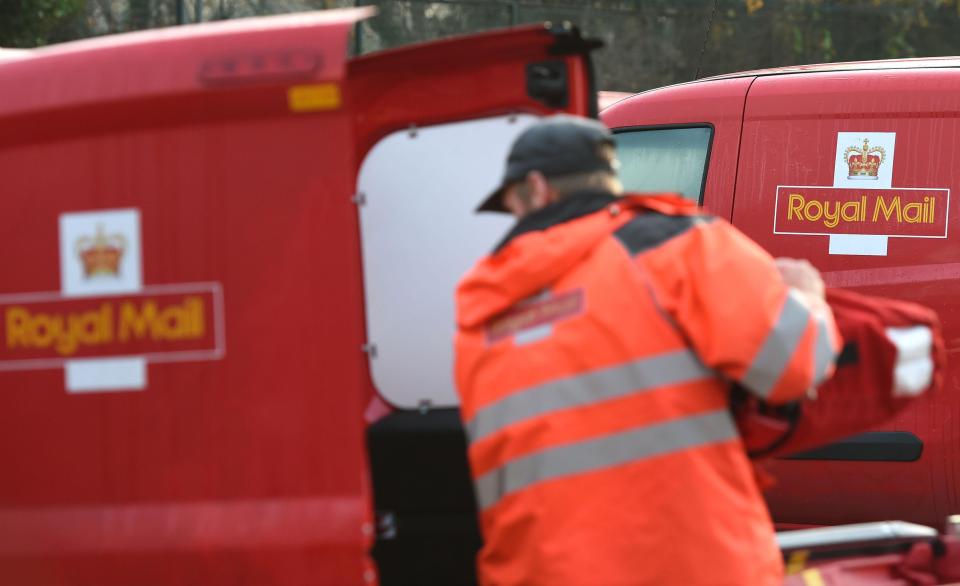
x=575, y=205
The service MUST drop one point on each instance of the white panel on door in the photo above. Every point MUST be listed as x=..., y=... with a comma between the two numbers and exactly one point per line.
x=419, y=235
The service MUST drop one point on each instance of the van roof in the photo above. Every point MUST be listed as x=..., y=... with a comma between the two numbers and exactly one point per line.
x=10, y=54
x=887, y=64
x=177, y=60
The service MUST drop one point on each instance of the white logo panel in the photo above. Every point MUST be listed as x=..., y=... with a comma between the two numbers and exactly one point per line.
x=864, y=160
x=100, y=252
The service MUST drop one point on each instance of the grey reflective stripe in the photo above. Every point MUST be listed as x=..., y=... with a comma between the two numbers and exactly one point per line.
x=604, y=452
x=823, y=356
x=777, y=350
x=588, y=388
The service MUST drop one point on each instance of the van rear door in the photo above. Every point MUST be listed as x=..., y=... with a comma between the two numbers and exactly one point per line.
x=433, y=125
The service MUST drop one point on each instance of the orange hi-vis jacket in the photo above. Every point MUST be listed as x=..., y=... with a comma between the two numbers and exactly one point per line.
x=594, y=353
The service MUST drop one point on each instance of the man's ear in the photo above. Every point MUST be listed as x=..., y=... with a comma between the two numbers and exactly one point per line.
x=541, y=194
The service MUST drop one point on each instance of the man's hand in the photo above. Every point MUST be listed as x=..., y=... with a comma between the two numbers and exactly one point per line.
x=801, y=275
x=804, y=278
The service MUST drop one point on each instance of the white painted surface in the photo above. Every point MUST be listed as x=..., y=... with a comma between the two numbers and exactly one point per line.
x=855, y=244
x=884, y=140
x=419, y=235
x=914, y=368
x=113, y=224
x=123, y=225
x=858, y=244
x=106, y=374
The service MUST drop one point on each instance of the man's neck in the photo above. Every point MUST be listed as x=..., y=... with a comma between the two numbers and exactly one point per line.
x=569, y=207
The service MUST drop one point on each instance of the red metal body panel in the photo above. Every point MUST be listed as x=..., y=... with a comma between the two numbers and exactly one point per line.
x=244, y=468
x=469, y=77
x=789, y=138
x=885, y=65
x=718, y=104
x=242, y=461
x=790, y=125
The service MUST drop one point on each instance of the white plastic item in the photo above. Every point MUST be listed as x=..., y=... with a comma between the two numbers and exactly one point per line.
x=914, y=368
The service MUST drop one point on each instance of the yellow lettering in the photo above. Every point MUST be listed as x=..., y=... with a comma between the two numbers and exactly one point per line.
x=888, y=212
x=850, y=211
x=106, y=323
x=82, y=328
x=66, y=333
x=17, y=332
x=795, y=206
x=66, y=342
x=136, y=323
x=171, y=324
x=46, y=329
x=933, y=201
x=808, y=210
x=832, y=218
x=195, y=309
x=913, y=213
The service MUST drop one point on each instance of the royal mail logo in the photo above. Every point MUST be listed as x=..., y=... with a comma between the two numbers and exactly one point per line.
x=101, y=254
x=861, y=217
x=104, y=326
x=167, y=323
x=905, y=213
x=864, y=162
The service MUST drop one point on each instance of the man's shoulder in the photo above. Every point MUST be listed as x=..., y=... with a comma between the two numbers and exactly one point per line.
x=672, y=204
x=659, y=218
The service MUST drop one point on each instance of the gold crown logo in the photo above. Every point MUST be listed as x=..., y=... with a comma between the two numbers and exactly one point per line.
x=863, y=163
x=101, y=253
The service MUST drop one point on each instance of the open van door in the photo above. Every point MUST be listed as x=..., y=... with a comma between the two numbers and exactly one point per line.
x=181, y=361
x=434, y=123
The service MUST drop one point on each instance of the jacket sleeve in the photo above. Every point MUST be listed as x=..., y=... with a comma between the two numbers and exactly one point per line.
x=726, y=296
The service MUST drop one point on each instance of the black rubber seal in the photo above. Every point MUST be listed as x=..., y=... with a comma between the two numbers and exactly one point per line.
x=873, y=446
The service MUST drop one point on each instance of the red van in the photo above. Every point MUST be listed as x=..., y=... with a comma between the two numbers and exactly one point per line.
x=229, y=255
x=852, y=166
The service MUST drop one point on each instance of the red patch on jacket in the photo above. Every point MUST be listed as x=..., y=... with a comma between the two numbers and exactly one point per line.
x=531, y=314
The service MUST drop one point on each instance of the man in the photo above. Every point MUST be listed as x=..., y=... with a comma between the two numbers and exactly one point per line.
x=595, y=351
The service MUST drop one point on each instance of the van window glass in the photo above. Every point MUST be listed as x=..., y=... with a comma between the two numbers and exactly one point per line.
x=664, y=159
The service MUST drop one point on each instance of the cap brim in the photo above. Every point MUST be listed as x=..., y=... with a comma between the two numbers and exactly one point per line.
x=493, y=202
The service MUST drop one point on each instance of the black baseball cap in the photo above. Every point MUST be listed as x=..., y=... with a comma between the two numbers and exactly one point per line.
x=555, y=145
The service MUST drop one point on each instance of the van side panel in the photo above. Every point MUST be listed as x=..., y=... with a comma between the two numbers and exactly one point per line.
x=235, y=456
x=803, y=137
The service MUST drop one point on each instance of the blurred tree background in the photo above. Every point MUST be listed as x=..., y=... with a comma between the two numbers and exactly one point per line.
x=649, y=43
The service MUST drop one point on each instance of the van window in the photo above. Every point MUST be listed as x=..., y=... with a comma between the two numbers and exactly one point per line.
x=664, y=159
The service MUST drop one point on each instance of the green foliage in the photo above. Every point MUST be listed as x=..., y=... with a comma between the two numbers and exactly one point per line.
x=30, y=23
x=659, y=42
x=649, y=43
